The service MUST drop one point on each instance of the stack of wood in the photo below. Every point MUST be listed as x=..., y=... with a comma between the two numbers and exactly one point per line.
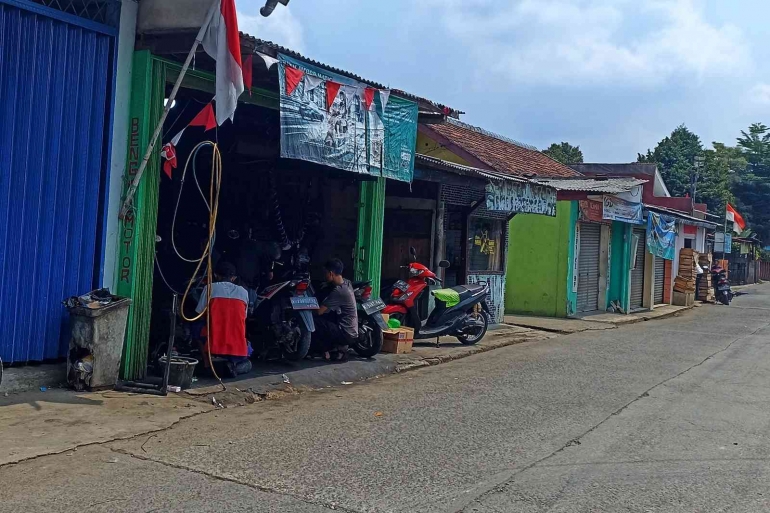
x=704, y=292
x=685, y=280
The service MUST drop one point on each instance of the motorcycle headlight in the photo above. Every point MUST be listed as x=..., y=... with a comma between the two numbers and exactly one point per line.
x=413, y=272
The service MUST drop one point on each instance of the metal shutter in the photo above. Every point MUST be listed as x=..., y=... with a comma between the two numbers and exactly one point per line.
x=637, y=274
x=660, y=276
x=588, y=267
x=55, y=101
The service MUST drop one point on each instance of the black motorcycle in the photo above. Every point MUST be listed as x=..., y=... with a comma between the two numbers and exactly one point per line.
x=281, y=320
x=723, y=292
x=370, y=320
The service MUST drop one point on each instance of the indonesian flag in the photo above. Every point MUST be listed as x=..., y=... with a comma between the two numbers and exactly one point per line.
x=738, y=223
x=222, y=43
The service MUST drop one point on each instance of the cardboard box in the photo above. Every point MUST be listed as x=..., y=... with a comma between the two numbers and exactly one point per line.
x=397, y=341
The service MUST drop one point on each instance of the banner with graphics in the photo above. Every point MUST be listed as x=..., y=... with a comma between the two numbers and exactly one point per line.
x=339, y=122
x=661, y=235
x=617, y=209
x=520, y=197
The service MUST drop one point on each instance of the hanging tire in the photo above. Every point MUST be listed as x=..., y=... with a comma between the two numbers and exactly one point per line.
x=301, y=345
x=370, y=339
x=470, y=339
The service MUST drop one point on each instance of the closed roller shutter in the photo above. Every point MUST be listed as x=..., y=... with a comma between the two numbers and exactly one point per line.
x=637, y=273
x=588, y=265
x=660, y=276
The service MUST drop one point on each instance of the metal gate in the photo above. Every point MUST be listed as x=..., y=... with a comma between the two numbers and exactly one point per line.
x=55, y=101
x=588, y=267
x=660, y=279
x=637, y=269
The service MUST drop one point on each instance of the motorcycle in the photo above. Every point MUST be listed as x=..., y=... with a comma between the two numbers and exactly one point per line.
x=370, y=320
x=724, y=292
x=460, y=311
x=281, y=319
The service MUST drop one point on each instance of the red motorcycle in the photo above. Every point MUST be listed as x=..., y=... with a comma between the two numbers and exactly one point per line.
x=460, y=311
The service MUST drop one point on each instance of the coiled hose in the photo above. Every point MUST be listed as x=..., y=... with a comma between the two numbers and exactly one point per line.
x=213, y=207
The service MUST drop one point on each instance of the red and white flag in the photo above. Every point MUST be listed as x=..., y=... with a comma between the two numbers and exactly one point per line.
x=733, y=216
x=223, y=44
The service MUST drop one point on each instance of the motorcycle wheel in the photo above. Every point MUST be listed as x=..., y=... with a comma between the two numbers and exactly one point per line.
x=303, y=345
x=470, y=340
x=370, y=340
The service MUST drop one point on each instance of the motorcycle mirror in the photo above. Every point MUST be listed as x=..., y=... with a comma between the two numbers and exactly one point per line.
x=412, y=251
x=444, y=264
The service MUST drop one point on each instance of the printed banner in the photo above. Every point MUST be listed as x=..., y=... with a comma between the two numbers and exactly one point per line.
x=617, y=209
x=525, y=198
x=590, y=210
x=339, y=122
x=661, y=235
x=719, y=245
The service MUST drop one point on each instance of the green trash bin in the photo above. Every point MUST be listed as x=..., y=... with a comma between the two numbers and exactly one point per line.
x=97, y=327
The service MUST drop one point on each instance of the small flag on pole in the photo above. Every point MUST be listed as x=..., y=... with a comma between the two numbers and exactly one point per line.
x=734, y=217
x=223, y=44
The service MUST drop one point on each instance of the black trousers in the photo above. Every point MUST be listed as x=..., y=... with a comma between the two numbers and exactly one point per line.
x=328, y=335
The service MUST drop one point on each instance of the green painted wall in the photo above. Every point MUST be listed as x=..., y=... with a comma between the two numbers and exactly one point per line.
x=620, y=264
x=539, y=271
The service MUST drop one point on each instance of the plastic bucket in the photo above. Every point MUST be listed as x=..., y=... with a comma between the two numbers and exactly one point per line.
x=181, y=372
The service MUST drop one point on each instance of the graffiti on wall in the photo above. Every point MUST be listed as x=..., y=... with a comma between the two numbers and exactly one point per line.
x=496, y=298
x=525, y=198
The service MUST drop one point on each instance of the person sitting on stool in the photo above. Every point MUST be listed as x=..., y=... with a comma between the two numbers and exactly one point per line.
x=336, y=326
x=227, y=334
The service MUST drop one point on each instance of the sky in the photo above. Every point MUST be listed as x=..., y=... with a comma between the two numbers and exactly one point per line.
x=612, y=76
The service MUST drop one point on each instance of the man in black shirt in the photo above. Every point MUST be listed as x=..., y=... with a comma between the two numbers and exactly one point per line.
x=337, y=321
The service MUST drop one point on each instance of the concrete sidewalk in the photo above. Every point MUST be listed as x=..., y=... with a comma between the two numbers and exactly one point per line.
x=39, y=423
x=596, y=321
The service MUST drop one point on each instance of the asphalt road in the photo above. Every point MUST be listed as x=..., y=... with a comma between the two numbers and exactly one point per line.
x=667, y=415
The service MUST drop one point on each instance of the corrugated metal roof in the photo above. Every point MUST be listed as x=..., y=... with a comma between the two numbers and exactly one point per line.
x=462, y=170
x=681, y=215
x=609, y=185
x=272, y=49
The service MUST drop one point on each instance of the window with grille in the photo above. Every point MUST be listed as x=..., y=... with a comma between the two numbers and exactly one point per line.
x=106, y=12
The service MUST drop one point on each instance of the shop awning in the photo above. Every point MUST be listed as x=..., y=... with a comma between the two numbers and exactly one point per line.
x=504, y=192
x=592, y=185
x=688, y=219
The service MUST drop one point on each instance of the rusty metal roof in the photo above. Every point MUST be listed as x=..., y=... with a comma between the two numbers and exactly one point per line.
x=273, y=49
x=498, y=152
x=599, y=185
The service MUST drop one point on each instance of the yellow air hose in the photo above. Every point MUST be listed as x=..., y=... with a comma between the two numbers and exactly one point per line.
x=213, y=207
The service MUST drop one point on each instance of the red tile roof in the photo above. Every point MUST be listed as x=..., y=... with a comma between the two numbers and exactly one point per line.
x=500, y=153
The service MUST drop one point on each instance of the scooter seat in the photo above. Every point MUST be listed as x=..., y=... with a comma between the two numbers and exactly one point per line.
x=466, y=291
x=359, y=284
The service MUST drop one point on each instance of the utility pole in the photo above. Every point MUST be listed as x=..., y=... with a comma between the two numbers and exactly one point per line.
x=699, y=163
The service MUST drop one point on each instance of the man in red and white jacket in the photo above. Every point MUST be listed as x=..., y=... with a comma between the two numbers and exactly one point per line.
x=227, y=334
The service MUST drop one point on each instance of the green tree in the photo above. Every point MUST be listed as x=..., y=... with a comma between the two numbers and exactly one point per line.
x=715, y=180
x=751, y=185
x=565, y=153
x=675, y=157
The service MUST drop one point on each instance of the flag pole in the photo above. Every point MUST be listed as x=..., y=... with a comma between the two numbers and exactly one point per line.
x=724, y=235
x=151, y=146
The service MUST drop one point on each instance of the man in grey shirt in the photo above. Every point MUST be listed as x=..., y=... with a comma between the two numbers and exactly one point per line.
x=337, y=322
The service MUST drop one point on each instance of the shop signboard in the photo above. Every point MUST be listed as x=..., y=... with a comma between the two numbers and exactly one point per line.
x=590, y=211
x=339, y=122
x=720, y=246
x=521, y=197
x=617, y=209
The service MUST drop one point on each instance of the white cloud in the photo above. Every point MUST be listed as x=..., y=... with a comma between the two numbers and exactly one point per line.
x=760, y=93
x=281, y=27
x=580, y=42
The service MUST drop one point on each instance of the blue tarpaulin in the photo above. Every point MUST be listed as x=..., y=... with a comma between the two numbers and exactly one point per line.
x=661, y=235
